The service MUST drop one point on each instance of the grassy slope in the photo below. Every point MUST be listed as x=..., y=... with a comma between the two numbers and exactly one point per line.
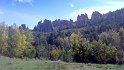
x=18, y=64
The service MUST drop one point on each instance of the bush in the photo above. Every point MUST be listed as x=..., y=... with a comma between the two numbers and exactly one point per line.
x=95, y=52
x=54, y=54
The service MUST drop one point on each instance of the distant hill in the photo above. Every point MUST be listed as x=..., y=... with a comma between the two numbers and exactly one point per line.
x=101, y=22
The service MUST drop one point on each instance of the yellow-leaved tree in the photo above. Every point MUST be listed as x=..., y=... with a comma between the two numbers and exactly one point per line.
x=3, y=38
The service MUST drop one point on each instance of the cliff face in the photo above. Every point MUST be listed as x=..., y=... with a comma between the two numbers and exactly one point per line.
x=82, y=20
x=96, y=17
x=62, y=24
x=101, y=21
x=46, y=26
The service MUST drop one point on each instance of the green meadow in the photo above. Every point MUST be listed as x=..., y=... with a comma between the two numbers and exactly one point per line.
x=33, y=64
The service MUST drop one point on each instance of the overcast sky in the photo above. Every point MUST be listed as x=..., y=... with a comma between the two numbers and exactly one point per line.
x=29, y=12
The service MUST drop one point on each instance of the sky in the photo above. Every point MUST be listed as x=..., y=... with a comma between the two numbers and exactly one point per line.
x=29, y=12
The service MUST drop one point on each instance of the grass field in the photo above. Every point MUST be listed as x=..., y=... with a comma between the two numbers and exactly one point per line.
x=32, y=64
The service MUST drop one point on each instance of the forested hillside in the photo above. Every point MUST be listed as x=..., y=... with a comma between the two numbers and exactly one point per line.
x=96, y=40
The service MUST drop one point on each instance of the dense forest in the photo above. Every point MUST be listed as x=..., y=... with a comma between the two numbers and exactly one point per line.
x=96, y=40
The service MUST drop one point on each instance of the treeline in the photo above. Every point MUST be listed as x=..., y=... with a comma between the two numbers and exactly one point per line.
x=70, y=45
x=16, y=42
